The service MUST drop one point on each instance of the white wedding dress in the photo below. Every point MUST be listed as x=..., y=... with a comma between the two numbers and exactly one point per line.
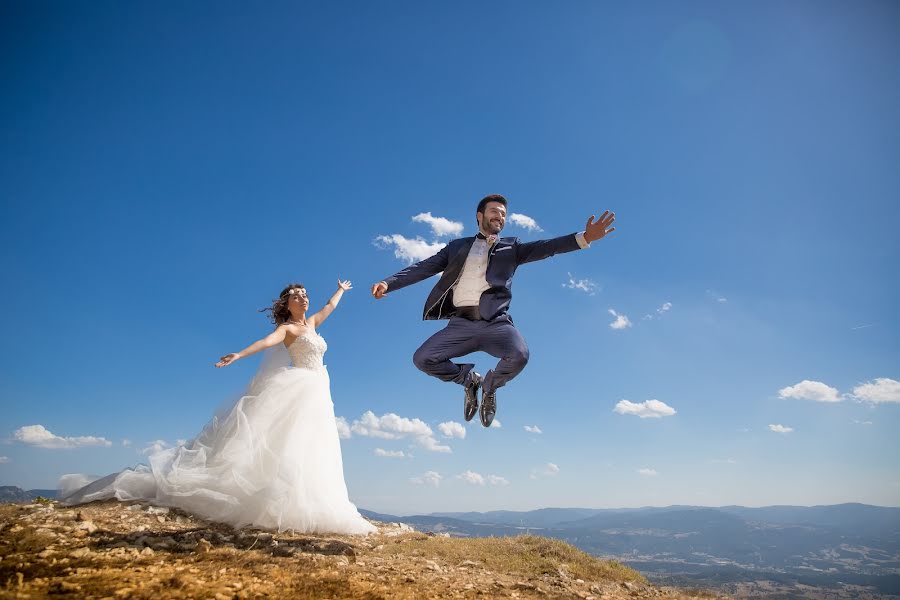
x=272, y=460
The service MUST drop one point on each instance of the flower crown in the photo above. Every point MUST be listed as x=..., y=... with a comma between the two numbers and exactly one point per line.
x=295, y=291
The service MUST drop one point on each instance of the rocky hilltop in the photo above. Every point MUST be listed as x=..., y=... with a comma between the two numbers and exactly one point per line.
x=133, y=550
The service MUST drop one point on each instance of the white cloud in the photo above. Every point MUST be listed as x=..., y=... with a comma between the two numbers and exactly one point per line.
x=780, y=428
x=547, y=470
x=621, y=322
x=666, y=307
x=497, y=480
x=810, y=390
x=723, y=461
x=880, y=390
x=343, y=428
x=452, y=429
x=407, y=250
x=649, y=409
x=439, y=225
x=648, y=472
x=40, y=436
x=155, y=446
x=432, y=478
x=533, y=429
x=390, y=453
x=722, y=299
x=495, y=424
x=471, y=477
x=126, y=442
x=858, y=422
x=585, y=285
x=4, y=460
x=394, y=427
x=524, y=221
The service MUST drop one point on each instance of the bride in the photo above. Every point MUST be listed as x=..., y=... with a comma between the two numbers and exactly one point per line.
x=273, y=459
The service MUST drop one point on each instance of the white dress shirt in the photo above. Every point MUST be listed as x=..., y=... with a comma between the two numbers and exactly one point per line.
x=472, y=281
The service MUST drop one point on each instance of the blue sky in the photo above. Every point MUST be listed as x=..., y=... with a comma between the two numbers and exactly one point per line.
x=167, y=169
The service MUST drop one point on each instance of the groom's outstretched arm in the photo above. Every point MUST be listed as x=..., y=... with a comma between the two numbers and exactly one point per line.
x=541, y=249
x=413, y=273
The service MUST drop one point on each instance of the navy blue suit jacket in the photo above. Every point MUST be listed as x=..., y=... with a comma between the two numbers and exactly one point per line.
x=504, y=258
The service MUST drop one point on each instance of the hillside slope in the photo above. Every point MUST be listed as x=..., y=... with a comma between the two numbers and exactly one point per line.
x=132, y=550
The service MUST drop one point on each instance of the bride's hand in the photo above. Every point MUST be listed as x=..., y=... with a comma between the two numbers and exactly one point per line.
x=227, y=360
x=344, y=285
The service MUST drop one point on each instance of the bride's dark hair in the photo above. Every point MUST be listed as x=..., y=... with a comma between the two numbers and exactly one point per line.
x=278, y=313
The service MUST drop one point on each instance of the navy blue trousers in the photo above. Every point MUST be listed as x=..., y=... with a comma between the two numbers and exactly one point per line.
x=498, y=338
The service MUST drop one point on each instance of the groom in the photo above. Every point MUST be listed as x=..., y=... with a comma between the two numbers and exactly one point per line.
x=474, y=292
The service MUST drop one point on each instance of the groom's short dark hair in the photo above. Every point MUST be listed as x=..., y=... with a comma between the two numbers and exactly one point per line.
x=491, y=198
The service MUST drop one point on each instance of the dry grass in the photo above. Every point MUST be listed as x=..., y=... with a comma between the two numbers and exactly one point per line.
x=529, y=556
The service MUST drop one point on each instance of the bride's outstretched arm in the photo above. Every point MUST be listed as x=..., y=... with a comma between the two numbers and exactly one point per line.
x=323, y=314
x=276, y=337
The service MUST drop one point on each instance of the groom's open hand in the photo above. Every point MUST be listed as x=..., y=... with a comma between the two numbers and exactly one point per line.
x=594, y=230
x=379, y=290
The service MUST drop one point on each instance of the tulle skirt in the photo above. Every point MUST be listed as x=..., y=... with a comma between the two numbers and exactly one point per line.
x=273, y=460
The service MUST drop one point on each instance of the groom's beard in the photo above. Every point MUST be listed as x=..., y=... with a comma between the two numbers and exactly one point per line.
x=489, y=228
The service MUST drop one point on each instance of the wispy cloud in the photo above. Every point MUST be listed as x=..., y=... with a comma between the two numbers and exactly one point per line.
x=547, y=470
x=648, y=472
x=343, y=428
x=723, y=461
x=585, y=285
x=863, y=326
x=126, y=442
x=878, y=391
x=439, y=225
x=4, y=460
x=621, y=321
x=649, y=409
x=533, y=429
x=394, y=427
x=858, y=422
x=473, y=478
x=432, y=478
x=524, y=221
x=390, y=453
x=666, y=307
x=155, y=446
x=452, y=429
x=810, y=390
x=40, y=436
x=408, y=250
x=780, y=428
x=716, y=296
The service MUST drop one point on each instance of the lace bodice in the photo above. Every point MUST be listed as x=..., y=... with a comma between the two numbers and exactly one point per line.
x=308, y=350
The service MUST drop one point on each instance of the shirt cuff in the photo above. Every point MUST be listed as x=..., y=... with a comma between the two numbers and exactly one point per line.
x=583, y=243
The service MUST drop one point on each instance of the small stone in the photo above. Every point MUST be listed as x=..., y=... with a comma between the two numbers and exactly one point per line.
x=203, y=546
x=147, y=551
x=87, y=526
x=79, y=553
x=157, y=510
x=468, y=563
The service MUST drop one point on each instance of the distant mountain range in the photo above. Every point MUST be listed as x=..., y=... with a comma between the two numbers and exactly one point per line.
x=823, y=546
x=11, y=493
